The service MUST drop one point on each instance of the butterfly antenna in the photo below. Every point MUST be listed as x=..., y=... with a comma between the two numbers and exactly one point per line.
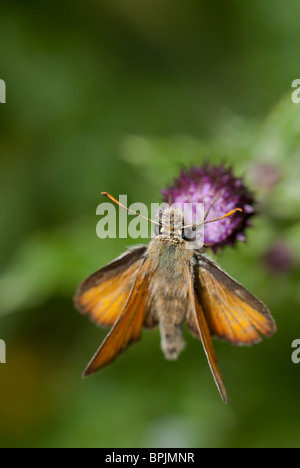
x=230, y=213
x=194, y=226
x=123, y=206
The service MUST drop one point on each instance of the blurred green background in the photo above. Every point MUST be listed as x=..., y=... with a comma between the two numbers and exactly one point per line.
x=118, y=96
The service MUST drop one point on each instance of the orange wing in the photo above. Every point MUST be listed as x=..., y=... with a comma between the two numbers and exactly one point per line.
x=128, y=327
x=103, y=295
x=232, y=312
x=204, y=334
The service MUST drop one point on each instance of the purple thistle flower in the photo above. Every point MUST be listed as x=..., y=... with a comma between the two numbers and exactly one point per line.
x=221, y=192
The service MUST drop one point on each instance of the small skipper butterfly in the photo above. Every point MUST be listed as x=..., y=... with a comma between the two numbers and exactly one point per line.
x=166, y=284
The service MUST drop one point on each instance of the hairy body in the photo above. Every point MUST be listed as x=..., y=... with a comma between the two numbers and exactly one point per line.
x=169, y=292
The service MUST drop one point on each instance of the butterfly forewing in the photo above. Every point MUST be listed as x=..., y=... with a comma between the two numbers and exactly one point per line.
x=232, y=312
x=103, y=295
x=128, y=327
x=204, y=334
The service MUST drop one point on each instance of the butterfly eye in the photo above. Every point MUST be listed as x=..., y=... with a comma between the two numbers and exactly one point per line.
x=157, y=229
x=188, y=234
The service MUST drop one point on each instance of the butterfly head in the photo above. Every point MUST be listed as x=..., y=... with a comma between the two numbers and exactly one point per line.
x=171, y=226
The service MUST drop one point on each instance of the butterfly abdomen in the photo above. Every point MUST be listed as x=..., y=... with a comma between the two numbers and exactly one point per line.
x=171, y=321
x=170, y=292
